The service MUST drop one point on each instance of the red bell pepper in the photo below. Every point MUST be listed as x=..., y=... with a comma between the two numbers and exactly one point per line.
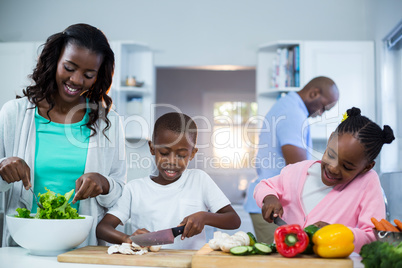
x=290, y=240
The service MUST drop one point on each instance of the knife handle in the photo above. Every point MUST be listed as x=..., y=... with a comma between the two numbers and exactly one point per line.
x=178, y=230
x=272, y=217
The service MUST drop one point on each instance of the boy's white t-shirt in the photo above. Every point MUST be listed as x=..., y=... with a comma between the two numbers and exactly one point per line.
x=156, y=207
x=314, y=190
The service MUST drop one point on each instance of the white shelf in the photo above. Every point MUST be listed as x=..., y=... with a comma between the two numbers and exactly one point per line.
x=134, y=104
x=266, y=56
x=275, y=91
x=139, y=91
x=273, y=46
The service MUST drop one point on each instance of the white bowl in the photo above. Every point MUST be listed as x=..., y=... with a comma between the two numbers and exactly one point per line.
x=49, y=237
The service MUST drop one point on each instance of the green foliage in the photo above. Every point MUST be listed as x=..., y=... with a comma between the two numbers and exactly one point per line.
x=381, y=255
x=55, y=206
x=23, y=213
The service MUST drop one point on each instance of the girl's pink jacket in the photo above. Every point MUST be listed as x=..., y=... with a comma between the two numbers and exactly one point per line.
x=351, y=204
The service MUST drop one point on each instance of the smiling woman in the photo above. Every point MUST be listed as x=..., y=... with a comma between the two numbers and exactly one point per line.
x=59, y=132
x=77, y=70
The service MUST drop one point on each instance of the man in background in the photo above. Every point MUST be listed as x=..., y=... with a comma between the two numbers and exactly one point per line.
x=284, y=139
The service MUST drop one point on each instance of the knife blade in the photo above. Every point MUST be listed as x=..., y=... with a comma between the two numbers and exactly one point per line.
x=277, y=220
x=161, y=237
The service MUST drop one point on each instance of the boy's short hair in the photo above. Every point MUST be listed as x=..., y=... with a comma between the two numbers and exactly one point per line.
x=176, y=122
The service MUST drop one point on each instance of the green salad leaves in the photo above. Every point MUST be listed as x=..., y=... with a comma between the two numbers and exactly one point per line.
x=23, y=213
x=56, y=206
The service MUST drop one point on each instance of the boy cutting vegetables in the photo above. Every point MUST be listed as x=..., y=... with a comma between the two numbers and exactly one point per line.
x=176, y=196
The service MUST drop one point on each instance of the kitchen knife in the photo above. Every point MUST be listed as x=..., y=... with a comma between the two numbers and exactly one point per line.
x=161, y=237
x=277, y=220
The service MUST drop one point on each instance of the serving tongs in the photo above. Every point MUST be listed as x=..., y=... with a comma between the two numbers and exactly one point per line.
x=36, y=199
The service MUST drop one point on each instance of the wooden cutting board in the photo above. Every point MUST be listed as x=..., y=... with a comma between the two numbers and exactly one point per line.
x=99, y=255
x=206, y=257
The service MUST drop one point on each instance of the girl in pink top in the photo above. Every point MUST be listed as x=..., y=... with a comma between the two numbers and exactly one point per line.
x=341, y=188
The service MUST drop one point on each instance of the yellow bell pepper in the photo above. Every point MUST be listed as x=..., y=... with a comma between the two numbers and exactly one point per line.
x=333, y=241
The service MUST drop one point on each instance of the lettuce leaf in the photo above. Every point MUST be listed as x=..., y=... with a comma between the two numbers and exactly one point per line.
x=23, y=213
x=55, y=206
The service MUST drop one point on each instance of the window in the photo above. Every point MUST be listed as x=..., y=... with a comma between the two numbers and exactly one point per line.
x=391, y=97
x=235, y=134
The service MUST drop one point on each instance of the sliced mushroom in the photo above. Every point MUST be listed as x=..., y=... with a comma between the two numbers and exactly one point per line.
x=113, y=249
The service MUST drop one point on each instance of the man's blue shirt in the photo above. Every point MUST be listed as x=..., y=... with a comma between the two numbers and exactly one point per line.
x=286, y=123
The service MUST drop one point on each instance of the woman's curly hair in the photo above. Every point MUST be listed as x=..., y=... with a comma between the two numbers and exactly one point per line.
x=44, y=74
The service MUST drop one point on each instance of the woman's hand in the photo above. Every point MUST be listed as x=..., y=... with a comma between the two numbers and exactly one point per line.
x=90, y=185
x=194, y=224
x=14, y=169
x=271, y=206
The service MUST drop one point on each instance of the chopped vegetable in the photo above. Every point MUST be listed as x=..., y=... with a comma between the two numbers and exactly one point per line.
x=214, y=244
x=381, y=254
x=258, y=248
x=272, y=246
x=239, y=250
x=262, y=248
x=253, y=240
x=223, y=241
x=290, y=240
x=251, y=250
x=56, y=206
x=333, y=241
x=229, y=243
x=154, y=248
x=23, y=213
x=242, y=237
x=310, y=231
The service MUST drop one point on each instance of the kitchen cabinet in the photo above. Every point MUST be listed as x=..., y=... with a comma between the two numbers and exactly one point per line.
x=349, y=63
x=133, y=88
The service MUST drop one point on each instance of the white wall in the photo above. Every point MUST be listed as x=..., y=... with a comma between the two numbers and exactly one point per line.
x=203, y=32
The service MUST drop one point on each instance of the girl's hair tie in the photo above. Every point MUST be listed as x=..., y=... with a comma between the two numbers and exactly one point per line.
x=345, y=116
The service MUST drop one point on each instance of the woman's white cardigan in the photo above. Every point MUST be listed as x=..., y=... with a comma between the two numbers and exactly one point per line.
x=105, y=156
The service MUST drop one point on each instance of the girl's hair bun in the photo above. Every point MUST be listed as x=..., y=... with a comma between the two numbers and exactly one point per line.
x=353, y=112
x=387, y=134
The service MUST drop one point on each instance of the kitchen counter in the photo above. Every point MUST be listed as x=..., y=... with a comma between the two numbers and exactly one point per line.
x=17, y=257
